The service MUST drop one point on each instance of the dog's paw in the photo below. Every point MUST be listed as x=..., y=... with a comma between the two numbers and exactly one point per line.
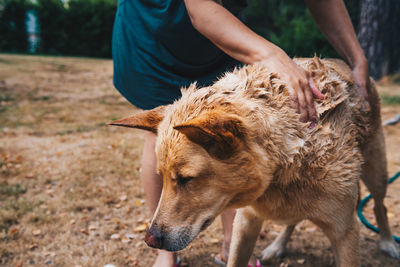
x=390, y=247
x=272, y=251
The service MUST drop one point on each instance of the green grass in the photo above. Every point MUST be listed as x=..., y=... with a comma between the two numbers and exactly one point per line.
x=6, y=97
x=390, y=99
x=11, y=207
x=7, y=190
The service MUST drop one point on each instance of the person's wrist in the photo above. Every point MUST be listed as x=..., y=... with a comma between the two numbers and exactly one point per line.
x=269, y=55
x=360, y=62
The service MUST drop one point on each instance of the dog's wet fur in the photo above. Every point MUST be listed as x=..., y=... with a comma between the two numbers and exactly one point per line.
x=238, y=144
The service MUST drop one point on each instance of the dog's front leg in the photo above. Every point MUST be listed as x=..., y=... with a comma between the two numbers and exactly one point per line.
x=277, y=248
x=246, y=228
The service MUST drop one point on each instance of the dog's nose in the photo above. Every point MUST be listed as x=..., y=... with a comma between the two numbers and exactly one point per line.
x=153, y=238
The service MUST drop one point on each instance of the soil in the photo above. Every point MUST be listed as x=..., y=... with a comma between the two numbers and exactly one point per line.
x=70, y=192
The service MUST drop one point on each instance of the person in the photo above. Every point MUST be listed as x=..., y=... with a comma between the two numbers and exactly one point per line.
x=160, y=46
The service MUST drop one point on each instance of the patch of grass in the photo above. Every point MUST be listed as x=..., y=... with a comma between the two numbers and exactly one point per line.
x=3, y=109
x=12, y=210
x=390, y=99
x=396, y=78
x=7, y=190
x=5, y=256
x=6, y=97
x=12, y=207
x=82, y=129
x=42, y=98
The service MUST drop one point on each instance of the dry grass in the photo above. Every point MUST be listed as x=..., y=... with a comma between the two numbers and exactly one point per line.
x=70, y=191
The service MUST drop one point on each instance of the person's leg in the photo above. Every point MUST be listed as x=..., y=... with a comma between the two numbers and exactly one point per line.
x=152, y=185
x=227, y=218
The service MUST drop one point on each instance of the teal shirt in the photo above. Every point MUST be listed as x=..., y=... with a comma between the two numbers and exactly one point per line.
x=156, y=51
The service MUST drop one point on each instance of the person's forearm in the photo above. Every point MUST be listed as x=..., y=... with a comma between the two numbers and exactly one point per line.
x=233, y=37
x=334, y=21
x=229, y=33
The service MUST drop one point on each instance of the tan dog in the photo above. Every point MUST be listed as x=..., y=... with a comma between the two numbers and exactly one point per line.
x=238, y=144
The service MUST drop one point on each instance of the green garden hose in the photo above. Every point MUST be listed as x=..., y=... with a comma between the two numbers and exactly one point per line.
x=364, y=202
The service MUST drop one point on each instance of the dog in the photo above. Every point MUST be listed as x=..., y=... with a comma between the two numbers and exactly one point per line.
x=238, y=144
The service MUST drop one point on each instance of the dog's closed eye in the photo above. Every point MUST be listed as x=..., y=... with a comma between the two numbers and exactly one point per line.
x=183, y=180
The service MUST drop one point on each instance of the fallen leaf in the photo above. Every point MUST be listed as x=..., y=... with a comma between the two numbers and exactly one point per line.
x=141, y=228
x=18, y=159
x=36, y=232
x=131, y=236
x=301, y=261
x=59, y=153
x=114, y=236
x=92, y=228
x=72, y=221
x=33, y=246
x=84, y=231
x=134, y=262
x=214, y=241
x=140, y=202
x=29, y=176
x=13, y=231
x=125, y=240
x=263, y=234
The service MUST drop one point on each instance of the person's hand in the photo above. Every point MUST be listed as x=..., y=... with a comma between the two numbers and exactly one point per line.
x=361, y=78
x=301, y=88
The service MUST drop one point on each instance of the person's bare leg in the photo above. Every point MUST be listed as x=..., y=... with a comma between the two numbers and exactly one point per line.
x=227, y=218
x=152, y=185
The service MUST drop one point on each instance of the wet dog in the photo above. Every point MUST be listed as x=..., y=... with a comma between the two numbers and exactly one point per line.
x=239, y=144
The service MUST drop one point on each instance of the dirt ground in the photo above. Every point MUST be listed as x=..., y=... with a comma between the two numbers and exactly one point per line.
x=70, y=193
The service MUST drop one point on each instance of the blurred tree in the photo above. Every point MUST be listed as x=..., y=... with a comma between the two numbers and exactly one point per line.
x=379, y=35
x=52, y=15
x=76, y=27
x=13, y=33
x=89, y=25
x=288, y=24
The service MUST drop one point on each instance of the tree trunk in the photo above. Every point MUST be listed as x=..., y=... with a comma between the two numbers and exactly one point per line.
x=394, y=63
x=379, y=35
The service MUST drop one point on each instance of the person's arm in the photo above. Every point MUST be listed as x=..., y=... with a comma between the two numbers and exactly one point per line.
x=233, y=37
x=334, y=21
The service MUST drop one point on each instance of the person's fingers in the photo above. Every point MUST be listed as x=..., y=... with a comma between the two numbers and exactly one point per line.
x=317, y=93
x=310, y=103
x=293, y=100
x=302, y=105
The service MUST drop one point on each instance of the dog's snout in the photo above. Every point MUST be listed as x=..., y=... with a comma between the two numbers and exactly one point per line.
x=154, y=238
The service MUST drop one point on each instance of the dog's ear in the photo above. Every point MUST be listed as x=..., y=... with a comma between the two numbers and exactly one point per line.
x=146, y=120
x=218, y=133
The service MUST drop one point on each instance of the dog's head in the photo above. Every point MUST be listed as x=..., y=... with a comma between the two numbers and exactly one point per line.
x=206, y=167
